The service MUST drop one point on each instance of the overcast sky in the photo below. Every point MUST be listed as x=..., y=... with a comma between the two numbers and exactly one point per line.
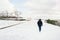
x=38, y=7
x=34, y=7
x=6, y=5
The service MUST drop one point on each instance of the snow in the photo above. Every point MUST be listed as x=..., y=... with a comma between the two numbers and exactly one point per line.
x=28, y=30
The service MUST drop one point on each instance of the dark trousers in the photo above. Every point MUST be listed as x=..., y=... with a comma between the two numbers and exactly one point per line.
x=39, y=28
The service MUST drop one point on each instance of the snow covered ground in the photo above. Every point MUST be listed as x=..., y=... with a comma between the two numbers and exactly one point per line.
x=28, y=30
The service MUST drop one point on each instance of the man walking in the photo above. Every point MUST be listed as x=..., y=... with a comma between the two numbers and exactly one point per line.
x=39, y=24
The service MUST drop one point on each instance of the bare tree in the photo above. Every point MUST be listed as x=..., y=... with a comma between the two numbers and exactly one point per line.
x=16, y=13
x=7, y=13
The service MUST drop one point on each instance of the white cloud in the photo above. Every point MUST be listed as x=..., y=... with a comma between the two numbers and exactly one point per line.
x=6, y=5
x=43, y=7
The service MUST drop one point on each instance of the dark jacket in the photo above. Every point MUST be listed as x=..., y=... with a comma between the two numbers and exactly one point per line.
x=39, y=23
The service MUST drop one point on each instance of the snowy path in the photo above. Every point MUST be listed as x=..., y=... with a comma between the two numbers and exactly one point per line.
x=29, y=31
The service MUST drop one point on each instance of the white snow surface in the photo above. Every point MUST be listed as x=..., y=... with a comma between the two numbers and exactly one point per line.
x=28, y=30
